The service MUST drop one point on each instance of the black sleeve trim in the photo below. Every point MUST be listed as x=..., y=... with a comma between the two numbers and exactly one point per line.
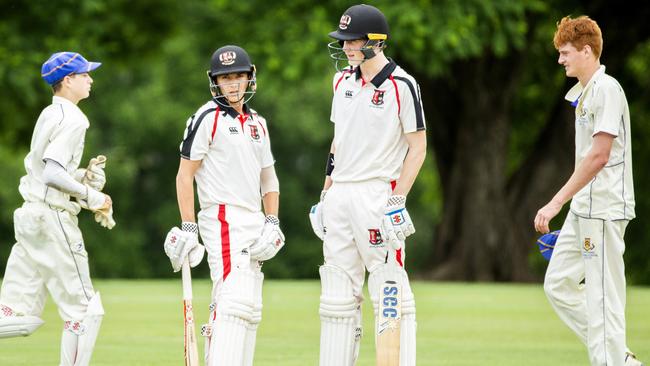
x=419, y=118
x=192, y=127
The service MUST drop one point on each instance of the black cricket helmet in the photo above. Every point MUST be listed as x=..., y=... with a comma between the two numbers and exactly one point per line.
x=360, y=22
x=228, y=60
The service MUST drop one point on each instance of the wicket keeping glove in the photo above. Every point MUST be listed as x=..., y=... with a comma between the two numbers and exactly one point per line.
x=180, y=244
x=94, y=175
x=396, y=224
x=270, y=242
x=316, y=217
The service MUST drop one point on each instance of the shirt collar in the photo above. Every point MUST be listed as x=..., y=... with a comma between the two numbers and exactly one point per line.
x=577, y=90
x=62, y=100
x=381, y=76
x=231, y=111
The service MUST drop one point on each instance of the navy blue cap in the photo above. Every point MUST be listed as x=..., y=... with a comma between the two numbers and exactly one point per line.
x=62, y=64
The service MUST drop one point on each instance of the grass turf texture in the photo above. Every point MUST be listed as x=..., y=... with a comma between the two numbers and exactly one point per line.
x=458, y=324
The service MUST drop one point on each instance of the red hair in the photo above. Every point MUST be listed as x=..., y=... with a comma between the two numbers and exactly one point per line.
x=580, y=32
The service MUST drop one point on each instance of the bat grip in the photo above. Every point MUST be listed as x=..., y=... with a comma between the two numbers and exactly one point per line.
x=187, y=280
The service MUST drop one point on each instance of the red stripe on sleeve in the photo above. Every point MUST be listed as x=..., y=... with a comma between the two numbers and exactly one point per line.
x=225, y=241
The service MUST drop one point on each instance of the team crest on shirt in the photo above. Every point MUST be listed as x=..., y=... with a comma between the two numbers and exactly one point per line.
x=375, y=237
x=378, y=97
x=255, y=133
x=588, y=249
x=227, y=58
x=345, y=21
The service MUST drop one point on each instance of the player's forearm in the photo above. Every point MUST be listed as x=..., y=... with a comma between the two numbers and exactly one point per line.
x=412, y=163
x=55, y=176
x=584, y=173
x=329, y=168
x=328, y=183
x=271, y=202
x=185, y=196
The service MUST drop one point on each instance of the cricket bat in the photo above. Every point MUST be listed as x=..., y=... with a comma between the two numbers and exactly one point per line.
x=191, y=348
x=389, y=314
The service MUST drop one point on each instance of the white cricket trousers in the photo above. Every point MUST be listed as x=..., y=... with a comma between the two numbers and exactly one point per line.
x=227, y=232
x=591, y=249
x=352, y=214
x=49, y=256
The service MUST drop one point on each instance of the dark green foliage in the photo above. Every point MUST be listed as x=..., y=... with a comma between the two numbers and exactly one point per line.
x=155, y=54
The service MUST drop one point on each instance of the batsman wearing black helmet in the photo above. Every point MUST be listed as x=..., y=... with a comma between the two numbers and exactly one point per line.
x=378, y=149
x=226, y=149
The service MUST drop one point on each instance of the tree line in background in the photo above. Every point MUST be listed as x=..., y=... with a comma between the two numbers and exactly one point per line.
x=500, y=134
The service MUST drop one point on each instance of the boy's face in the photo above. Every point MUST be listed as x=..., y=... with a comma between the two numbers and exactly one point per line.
x=233, y=86
x=573, y=60
x=352, y=51
x=79, y=84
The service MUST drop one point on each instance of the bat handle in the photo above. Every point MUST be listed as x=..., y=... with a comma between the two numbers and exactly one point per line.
x=187, y=280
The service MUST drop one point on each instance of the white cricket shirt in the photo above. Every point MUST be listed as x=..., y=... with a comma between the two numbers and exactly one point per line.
x=371, y=120
x=602, y=107
x=234, y=149
x=59, y=135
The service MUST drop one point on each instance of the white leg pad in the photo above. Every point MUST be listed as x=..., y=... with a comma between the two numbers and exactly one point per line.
x=234, y=312
x=78, y=337
x=408, y=325
x=19, y=325
x=251, y=329
x=340, y=314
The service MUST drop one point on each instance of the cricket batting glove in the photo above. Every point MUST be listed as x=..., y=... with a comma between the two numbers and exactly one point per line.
x=270, y=242
x=316, y=217
x=396, y=224
x=94, y=175
x=180, y=244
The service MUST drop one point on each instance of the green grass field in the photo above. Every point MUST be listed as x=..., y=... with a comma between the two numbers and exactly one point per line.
x=458, y=324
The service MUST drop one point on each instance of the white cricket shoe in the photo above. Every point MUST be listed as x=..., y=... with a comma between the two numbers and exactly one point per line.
x=631, y=360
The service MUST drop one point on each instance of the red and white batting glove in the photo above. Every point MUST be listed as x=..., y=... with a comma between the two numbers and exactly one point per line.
x=396, y=224
x=270, y=242
x=180, y=244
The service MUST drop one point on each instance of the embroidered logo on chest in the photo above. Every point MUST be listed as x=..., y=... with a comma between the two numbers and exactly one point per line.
x=233, y=130
x=349, y=93
x=378, y=97
x=255, y=133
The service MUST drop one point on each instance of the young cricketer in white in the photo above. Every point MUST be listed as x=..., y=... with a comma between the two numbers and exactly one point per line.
x=378, y=149
x=49, y=254
x=590, y=245
x=226, y=149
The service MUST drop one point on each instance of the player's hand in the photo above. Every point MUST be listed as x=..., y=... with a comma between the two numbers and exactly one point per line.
x=316, y=217
x=396, y=224
x=94, y=175
x=270, y=242
x=180, y=244
x=95, y=200
x=545, y=215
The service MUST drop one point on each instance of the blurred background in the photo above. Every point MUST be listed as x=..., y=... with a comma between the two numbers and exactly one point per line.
x=500, y=133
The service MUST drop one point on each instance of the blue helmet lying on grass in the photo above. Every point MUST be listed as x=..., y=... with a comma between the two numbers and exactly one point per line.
x=546, y=244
